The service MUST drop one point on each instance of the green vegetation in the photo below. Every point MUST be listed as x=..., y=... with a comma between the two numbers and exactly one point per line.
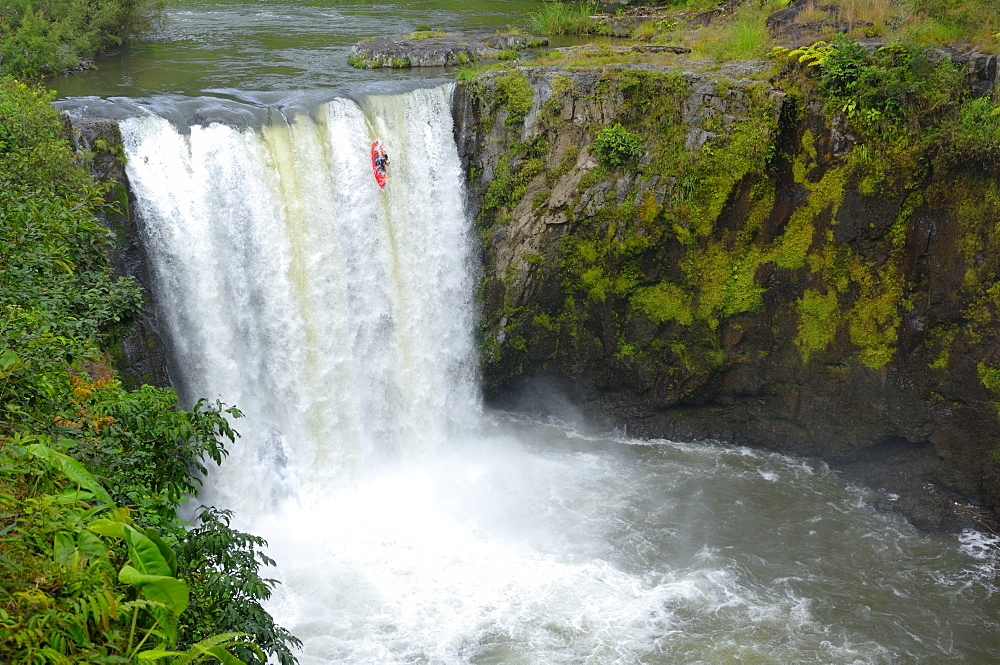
x=96, y=565
x=424, y=32
x=559, y=18
x=45, y=37
x=615, y=146
x=741, y=38
x=740, y=33
x=691, y=254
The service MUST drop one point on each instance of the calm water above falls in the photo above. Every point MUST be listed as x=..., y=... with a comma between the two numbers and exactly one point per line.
x=229, y=48
x=409, y=526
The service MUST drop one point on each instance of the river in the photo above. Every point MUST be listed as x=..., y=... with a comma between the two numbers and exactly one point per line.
x=410, y=523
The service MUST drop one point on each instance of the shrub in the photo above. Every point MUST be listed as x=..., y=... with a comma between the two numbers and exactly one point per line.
x=977, y=131
x=76, y=447
x=615, y=146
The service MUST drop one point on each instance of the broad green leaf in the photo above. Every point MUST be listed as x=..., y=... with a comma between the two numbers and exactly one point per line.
x=63, y=547
x=71, y=469
x=157, y=654
x=90, y=546
x=223, y=656
x=145, y=554
x=9, y=362
x=217, y=647
x=110, y=528
x=165, y=551
x=73, y=496
x=170, y=592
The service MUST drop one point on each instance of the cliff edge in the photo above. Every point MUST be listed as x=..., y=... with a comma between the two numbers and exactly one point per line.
x=723, y=255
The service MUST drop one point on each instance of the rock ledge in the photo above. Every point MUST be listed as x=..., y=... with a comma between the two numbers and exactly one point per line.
x=440, y=50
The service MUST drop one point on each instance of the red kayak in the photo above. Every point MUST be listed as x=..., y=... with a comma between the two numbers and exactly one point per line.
x=378, y=165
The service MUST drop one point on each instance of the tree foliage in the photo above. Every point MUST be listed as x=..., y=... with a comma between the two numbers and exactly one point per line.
x=46, y=37
x=95, y=565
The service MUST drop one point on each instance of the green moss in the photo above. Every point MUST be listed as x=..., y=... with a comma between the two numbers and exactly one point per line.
x=989, y=375
x=819, y=317
x=540, y=198
x=724, y=281
x=567, y=162
x=664, y=302
x=942, y=339
x=873, y=321
x=510, y=180
x=791, y=248
x=426, y=33
x=544, y=321
x=514, y=93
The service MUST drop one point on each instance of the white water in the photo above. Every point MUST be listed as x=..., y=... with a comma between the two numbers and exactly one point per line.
x=336, y=315
x=408, y=527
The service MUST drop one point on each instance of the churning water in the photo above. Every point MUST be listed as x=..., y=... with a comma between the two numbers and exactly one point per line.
x=410, y=527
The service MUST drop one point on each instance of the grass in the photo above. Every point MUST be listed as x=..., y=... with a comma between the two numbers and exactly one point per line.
x=923, y=21
x=426, y=34
x=559, y=18
x=743, y=35
x=742, y=38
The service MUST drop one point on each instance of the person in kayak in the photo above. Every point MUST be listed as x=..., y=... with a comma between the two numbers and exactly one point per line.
x=381, y=162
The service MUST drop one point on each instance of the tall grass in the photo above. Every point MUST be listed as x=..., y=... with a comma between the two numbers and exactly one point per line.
x=562, y=18
x=943, y=21
x=743, y=38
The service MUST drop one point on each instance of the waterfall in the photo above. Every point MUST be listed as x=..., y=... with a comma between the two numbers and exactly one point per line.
x=410, y=528
x=336, y=315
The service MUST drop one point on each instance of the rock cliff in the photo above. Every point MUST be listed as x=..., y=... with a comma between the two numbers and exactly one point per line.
x=700, y=255
x=140, y=357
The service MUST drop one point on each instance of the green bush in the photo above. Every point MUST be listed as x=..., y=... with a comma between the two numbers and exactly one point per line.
x=91, y=470
x=977, y=131
x=900, y=89
x=615, y=146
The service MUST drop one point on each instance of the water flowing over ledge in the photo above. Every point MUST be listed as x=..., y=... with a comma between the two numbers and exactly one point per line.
x=409, y=528
x=338, y=316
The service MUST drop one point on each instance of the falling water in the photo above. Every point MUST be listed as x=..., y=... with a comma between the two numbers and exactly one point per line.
x=411, y=528
x=337, y=315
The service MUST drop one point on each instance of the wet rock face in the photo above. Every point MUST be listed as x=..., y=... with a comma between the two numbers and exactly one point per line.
x=140, y=357
x=677, y=295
